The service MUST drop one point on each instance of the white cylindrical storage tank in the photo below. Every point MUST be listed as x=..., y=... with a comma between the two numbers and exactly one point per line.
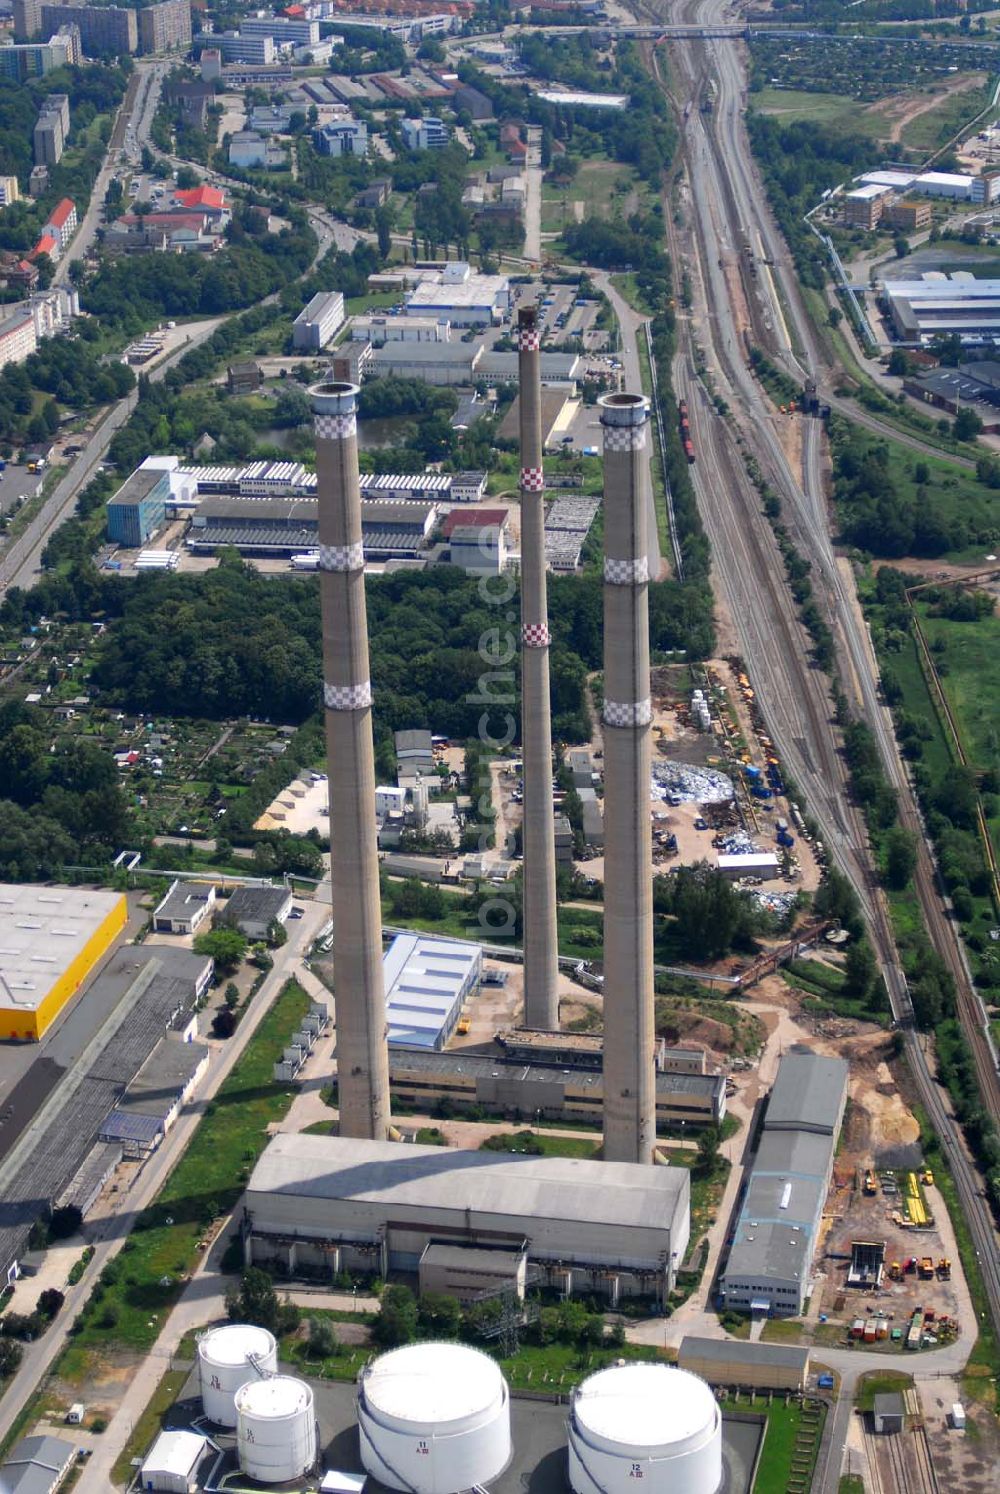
x=227, y=1358
x=647, y=1421
x=275, y=1429
x=434, y=1419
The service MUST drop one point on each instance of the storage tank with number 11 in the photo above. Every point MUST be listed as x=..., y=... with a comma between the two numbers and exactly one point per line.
x=434, y=1419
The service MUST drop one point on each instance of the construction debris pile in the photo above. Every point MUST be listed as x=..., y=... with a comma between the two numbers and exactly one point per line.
x=683, y=783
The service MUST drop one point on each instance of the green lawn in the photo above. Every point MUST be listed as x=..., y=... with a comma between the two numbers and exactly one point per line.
x=135, y=1295
x=886, y=1382
x=546, y=1145
x=793, y=1432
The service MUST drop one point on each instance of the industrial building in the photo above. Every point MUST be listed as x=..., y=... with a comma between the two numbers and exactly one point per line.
x=255, y=910
x=163, y=1085
x=940, y=306
x=320, y=1204
x=767, y=1271
x=53, y=937
x=585, y=1050
x=974, y=386
x=907, y=216
x=746, y=1366
x=318, y=322
x=469, y=1275
x=513, y=1087
x=889, y=1413
x=184, y=908
x=289, y=526
x=427, y=982
x=149, y=989
x=259, y=51
x=465, y=298
x=171, y=1465
x=863, y=207
x=138, y=510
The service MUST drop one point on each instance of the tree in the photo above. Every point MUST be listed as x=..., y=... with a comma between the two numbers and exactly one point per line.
x=255, y=1301
x=899, y=363
x=860, y=970
x=967, y=424
x=708, y=1152
x=11, y=1355
x=383, y=228
x=323, y=1341
x=65, y=1222
x=439, y=1315
x=49, y=1302
x=901, y=246
x=232, y=995
x=396, y=1323
x=900, y=857
x=834, y=317
x=227, y=947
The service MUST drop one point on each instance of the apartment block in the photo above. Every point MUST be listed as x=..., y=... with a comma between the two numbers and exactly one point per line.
x=27, y=19
x=105, y=30
x=9, y=190
x=18, y=339
x=165, y=27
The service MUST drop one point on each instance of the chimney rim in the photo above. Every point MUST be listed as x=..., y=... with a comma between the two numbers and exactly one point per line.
x=333, y=397
x=623, y=409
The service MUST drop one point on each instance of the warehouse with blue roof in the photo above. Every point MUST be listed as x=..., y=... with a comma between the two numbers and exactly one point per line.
x=427, y=982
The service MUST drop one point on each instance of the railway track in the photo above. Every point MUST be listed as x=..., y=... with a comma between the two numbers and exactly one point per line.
x=791, y=695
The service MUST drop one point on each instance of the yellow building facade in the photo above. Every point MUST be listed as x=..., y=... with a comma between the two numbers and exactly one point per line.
x=50, y=940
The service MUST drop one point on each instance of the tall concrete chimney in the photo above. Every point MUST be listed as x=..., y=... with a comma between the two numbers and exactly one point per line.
x=362, y=1052
x=541, y=944
x=629, y=1078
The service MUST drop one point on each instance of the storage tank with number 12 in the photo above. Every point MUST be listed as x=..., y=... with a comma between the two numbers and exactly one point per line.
x=648, y=1422
x=275, y=1429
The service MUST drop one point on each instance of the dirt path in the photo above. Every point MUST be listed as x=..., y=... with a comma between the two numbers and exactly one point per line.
x=909, y=111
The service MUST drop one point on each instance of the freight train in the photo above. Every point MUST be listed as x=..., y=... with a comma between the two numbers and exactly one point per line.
x=685, y=425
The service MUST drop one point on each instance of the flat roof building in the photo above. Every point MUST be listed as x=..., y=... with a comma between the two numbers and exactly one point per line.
x=728, y=1361
x=253, y=910
x=318, y=322
x=427, y=982
x=325, y=1203
x=52, y=939
x=767, y=1269
x=138, y=510
x=465, y=298
x=165, y=1081
x=938, y=306
x=185, y=908
x=553, y=1090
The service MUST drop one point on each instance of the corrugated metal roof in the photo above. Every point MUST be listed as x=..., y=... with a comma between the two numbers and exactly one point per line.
x=513, y=1184
x=808, y=1092
x=730, y=1350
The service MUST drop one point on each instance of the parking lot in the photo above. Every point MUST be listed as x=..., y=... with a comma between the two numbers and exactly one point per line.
x=16, y=483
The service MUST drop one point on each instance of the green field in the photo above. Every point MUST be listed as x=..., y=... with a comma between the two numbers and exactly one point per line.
x=972, y=681
x=606, y=189
x=834, y=109
x=928, y=132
